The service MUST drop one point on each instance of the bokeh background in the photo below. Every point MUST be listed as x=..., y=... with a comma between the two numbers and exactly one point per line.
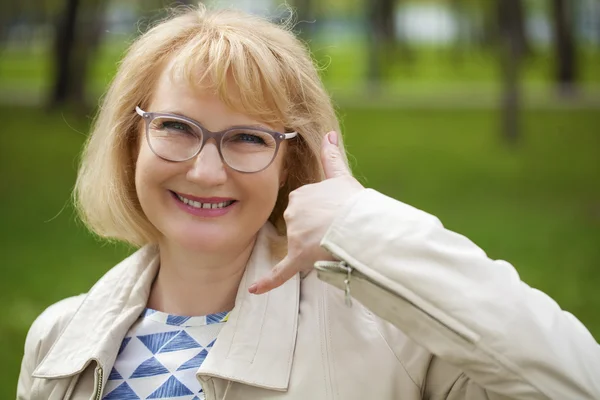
x=484, y=113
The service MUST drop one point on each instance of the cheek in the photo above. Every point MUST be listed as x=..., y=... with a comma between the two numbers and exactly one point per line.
x=149, y=173
x=265, y=187
x=262, y=191
x=141, y=181
x=142, y=167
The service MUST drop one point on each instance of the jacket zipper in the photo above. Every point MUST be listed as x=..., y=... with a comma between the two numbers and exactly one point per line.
x=99, y=383
x=343, y=267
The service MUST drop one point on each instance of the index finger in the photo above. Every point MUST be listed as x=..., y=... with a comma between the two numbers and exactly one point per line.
x=280, y=274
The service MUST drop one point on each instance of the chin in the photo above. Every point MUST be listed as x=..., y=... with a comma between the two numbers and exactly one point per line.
x=209, y=240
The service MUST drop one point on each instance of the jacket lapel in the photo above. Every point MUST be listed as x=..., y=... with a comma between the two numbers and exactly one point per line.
x=104, y=317
x=254, y=347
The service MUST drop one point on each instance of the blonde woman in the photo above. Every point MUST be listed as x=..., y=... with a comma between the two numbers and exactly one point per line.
x=216, y=123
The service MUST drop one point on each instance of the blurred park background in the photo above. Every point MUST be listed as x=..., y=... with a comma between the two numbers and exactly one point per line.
x=483, y=112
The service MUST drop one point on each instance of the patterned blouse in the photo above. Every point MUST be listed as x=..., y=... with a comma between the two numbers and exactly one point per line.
x=160, y=356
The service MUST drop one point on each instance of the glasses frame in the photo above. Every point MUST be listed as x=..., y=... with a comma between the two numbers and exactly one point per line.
x=148, y=117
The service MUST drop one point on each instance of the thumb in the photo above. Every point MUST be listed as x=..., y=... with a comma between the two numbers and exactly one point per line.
x=331, y=157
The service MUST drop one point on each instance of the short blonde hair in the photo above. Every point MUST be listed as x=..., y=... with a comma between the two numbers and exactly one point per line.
x=277, y=82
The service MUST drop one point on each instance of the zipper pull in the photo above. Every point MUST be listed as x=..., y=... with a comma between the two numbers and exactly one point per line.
x=347, y=296
x=338, y=267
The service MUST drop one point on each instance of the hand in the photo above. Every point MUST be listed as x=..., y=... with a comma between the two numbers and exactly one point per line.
x=311, y=210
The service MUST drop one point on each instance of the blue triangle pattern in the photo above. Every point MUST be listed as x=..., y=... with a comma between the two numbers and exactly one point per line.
x=215, y=318
x=114, y=375
x=211, y=343
x=122, y=392
x=176, y=319
x=147, y=312
x=195, y=361
x=123, y=345
x=155, y=341
x=183, y=341
x=150, y=367
x=171, y=388
x=195, y=398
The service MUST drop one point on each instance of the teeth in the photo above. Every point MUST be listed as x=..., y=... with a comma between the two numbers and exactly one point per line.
x=197, y=204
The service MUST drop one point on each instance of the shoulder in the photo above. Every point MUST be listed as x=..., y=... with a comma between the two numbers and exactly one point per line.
x=48, y=325
x=58, y=313
x=123, y=277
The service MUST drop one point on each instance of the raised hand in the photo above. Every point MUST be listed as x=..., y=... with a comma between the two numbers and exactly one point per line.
x=310, y=212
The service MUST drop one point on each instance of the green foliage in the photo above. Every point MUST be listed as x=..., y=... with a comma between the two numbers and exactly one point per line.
x=429, y=67
x=537, y=206
x=424, y=70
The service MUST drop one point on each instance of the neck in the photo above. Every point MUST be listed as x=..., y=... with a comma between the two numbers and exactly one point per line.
x=193, y=283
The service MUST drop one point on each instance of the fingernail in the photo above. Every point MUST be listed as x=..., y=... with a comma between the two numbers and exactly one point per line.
x=253, y=288
x=332, y=137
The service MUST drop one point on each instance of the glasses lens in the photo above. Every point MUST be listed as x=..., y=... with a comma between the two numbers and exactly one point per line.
x=248, y=150
x=173, y=139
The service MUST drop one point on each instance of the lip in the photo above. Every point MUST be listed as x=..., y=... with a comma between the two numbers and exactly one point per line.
x=205, y=199
x=203, y=212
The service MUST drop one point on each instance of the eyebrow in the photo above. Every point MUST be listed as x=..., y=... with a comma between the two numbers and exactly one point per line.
x=180, y=114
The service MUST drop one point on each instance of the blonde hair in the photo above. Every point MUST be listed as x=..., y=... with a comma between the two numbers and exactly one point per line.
x=277, y=82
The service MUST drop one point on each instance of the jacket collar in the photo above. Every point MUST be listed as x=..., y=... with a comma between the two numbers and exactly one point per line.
x=254, y=347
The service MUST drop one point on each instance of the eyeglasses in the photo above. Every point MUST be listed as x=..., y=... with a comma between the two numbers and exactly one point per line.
x=243, y=148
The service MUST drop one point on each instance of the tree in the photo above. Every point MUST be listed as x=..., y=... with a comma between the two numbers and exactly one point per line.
x=564, y=46
x=78, y=33
x=381, y=30
x=512, y=49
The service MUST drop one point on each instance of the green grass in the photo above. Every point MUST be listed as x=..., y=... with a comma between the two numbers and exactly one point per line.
x=537, y=206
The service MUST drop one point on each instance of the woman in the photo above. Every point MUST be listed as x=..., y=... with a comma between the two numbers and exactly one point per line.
x=214, y=120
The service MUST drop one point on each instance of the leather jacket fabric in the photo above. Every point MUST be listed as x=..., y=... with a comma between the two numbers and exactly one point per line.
x=410, y=311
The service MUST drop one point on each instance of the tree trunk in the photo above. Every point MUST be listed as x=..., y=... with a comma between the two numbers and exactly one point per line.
x=511, y=95
x=78, y=34
x=64, y=46
x=511, y=53
x=7, y=14
x=520, y=31
x=458, y=13
x=382, y=31
x=564, y=47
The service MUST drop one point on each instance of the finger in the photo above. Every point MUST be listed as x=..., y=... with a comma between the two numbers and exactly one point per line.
x=332, y=158
x=280, y=274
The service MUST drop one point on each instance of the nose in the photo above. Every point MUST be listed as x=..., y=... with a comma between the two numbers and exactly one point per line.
x=208, y=169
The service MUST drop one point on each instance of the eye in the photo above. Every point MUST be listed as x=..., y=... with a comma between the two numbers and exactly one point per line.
x=175, y=126
x=246, y=137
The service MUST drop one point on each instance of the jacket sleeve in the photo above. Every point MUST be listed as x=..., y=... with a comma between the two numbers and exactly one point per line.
x=28, y=364
x=24, y=383
x=510, y=340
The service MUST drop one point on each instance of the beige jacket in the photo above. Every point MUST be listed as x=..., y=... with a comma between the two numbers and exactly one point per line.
x=432, y=317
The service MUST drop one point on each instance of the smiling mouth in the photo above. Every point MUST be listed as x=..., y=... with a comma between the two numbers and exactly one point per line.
x=197, y=204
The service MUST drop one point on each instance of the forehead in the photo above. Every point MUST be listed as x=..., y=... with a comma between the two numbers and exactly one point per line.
x=196, y=96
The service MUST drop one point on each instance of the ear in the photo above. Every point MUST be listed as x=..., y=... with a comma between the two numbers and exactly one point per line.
x=283, y=177
x=284, y=170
